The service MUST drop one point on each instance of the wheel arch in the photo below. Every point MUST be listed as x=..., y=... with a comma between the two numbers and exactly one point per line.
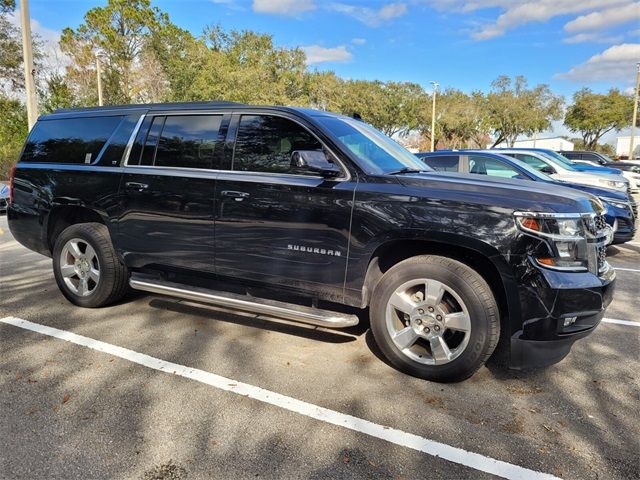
x=62, y=216
x=480, y=256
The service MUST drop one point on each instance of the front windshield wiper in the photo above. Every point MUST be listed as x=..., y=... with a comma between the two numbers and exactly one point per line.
x=406, y=170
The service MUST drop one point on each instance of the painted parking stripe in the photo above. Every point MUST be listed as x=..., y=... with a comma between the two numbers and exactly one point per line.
x=392, y=435
x=620, y=269
x=621, y=322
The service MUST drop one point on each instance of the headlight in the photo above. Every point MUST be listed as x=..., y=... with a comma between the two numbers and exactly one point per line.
x=565, y=235
x=616, y=203
x=635, y=169
x=613, y=183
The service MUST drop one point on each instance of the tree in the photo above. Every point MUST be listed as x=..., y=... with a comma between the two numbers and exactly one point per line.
x=392, y=107
x=11, y=72
x=118, y=33
x=57, y=94
x=461, y=119
x=592, y=115
x=513, y=109
x=13, y=131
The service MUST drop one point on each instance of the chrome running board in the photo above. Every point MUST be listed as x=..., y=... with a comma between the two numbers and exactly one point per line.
x=287, y=311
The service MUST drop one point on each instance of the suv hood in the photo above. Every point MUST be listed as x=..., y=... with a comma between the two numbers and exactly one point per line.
x=514, y=195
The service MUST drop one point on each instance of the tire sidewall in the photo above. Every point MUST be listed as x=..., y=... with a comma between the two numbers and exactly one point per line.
x=103, y=289
x=458, y=279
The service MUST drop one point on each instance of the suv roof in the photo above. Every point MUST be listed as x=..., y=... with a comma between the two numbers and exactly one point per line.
x=184, y=106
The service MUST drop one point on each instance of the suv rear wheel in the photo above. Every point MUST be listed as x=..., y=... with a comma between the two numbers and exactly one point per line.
x=86, y=267
x=435, y=318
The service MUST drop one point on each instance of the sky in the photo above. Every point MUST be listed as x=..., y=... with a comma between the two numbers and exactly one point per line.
x=465, y=44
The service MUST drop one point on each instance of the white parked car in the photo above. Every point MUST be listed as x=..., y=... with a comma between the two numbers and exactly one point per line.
x=566, y=172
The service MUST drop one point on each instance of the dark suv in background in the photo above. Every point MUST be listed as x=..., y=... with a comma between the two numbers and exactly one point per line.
x=295, y=213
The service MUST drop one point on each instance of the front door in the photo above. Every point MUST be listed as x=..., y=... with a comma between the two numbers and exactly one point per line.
x=167, y=192
x=276, y=227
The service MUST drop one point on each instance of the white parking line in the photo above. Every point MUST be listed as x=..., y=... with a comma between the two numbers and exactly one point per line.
x=621, y=322
x=392, y=435
x=627, y=269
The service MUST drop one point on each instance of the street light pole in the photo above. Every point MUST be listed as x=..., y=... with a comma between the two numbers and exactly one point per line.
x=29, y=72
x=435, y=86
x=635, y=112
x=99, y=75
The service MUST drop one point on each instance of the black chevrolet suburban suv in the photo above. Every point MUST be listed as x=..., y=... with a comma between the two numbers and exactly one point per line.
x=295, y=213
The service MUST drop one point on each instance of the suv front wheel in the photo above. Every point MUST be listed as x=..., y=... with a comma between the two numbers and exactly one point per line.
x=435, y=318
x=86, y=267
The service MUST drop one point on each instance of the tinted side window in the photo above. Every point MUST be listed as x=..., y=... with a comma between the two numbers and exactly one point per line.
x=482, y=165
x=571, y=156
x=69, y=140
x=592, y=157
x=188, y=141
x=151, y=142
x=444, y=163
x=264, y=143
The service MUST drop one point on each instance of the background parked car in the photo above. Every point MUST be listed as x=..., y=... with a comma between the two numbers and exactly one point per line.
x=566, y=171
x=579, y=167
x=630, y=169
x=622, y=210
x=4, y=198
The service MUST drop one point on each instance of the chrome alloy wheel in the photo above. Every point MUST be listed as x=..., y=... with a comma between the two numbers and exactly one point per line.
x=428, y=321
x=79, y=267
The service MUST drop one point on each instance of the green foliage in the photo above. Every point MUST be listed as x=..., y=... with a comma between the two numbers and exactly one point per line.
x=11, y=72
x=58, y=94
x=7, y=6
x=13, y=131
x=513, y=109
x=117, y=33
x=594, y=114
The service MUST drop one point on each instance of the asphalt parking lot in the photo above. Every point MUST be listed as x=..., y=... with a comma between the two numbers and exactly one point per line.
x=160, y=388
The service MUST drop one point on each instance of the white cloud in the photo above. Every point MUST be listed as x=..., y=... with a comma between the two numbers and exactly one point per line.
x=520, y=12
x=283, y=7
x=614, y=64
x=605, y=19
x=358, y=41
x=319, y=54
x=54, y=60
x=593, y=37
x=370, y=16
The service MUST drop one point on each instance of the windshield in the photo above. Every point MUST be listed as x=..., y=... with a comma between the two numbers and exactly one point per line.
x=378, y=153
x=558, y=157
x=563, y=161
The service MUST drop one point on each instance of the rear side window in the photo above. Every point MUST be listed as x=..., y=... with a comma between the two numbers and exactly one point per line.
x=444, y=163
x=264, y=143
x=482, y=165
x=69, y=140
x=187, y=141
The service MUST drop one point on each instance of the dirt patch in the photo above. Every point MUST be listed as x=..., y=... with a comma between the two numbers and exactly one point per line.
x=165, y=471
x=525, y=389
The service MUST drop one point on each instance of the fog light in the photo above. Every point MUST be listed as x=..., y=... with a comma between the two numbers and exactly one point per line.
x=569, y=321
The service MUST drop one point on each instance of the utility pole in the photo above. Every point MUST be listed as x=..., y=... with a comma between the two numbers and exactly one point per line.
x=635, y=112
x=99, y=74
x=435, y=86
x=29, y=71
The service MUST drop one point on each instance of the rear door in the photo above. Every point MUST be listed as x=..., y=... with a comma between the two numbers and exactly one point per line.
x=276, y=227
x=167, y=191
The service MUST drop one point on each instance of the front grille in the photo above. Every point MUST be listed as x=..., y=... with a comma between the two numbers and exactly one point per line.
x=601, y=255
x=600, y=223
x=634, y=209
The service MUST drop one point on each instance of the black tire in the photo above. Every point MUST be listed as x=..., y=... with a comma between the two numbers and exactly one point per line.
x=113, y=280
x=470, y=287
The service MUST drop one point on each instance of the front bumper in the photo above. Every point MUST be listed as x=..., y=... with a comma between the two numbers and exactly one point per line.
x=550, y=300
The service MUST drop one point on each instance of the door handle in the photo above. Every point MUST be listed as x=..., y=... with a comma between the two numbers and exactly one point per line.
x=239, y=196
x=138, y=187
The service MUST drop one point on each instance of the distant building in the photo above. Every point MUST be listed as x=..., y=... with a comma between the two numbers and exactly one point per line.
x=553, y=143
x=622, y=146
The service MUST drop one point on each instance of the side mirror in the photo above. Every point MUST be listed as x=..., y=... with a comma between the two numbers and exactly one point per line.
x=314, y=162
x=548, y=170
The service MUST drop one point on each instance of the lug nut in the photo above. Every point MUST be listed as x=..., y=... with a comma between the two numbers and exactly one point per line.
x=420, y=311
x=418, y=322
x=431, y=309
x=436, y=328
x=438, y=317
x=426, y=330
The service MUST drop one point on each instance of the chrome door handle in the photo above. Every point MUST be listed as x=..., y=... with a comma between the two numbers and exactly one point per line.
x=138, y=187
x=239, y=196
